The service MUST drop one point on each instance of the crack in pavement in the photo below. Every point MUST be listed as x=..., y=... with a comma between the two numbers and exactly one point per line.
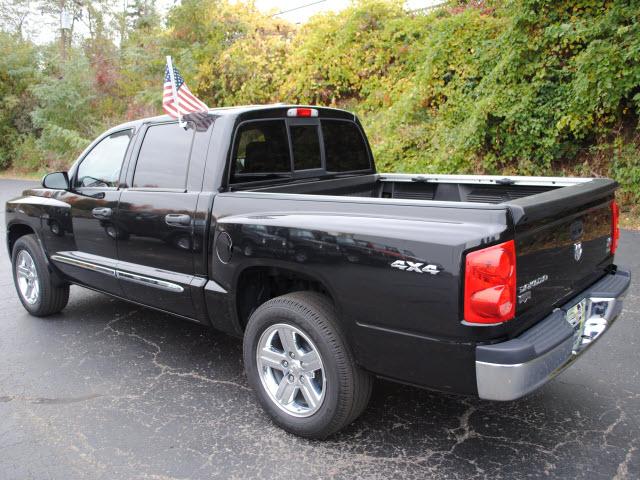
x=623, y=468
x=50, y=401
x=164, y=368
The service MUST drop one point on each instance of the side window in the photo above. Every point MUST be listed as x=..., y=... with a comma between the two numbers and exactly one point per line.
x=163, y=160
x=261, y=152
x=306, y=147
x=101, y=166
x=344, y=146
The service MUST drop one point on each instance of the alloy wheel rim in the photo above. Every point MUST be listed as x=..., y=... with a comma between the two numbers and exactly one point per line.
x=291, y=370
x=27, y=277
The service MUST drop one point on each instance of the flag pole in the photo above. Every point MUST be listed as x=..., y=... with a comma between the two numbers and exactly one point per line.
x=175, y=91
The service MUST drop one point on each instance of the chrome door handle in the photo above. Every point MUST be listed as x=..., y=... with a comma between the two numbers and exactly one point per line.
x=177, y=220
x=102, y=212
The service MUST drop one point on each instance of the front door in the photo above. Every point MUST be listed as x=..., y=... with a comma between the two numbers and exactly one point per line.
x=155, y=219
x=81, y=239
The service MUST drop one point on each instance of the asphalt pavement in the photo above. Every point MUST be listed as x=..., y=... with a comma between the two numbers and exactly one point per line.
x=109, y=390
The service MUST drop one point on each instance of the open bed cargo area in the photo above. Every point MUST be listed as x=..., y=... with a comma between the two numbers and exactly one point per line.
x=446, y=188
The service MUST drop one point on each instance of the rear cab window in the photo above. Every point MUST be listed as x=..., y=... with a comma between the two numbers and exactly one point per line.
x=344, y=145
x=305, y=144
x=296, y=148
x=261, y=152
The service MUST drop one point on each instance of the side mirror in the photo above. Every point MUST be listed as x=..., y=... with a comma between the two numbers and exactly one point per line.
x=56, y=181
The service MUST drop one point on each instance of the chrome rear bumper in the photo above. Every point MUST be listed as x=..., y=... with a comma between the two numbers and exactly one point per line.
x=512, y=369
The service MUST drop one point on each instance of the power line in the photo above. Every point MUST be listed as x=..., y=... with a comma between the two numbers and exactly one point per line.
x=298, y=8
x=429, y=8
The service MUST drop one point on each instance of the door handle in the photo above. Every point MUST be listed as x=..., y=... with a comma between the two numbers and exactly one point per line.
x=102, y=212
x=177, y=219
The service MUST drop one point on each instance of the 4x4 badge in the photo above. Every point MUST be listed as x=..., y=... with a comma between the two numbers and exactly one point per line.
x=416, y=267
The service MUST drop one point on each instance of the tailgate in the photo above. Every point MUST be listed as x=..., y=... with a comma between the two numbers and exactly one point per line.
x=562, y=245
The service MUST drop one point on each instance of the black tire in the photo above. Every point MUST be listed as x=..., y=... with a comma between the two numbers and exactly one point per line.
x=348, y=387
x=52, y=297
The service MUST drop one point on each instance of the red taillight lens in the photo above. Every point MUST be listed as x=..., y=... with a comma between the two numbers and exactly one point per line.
x=615, y=226
x=490, y=284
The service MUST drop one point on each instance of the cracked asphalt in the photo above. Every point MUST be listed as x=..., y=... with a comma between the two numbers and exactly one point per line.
x=109, y=390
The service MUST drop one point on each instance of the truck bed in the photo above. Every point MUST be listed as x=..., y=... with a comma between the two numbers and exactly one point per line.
x=448, y=188
x=547, y=216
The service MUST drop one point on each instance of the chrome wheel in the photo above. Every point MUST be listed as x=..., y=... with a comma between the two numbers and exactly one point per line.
x=291, y=370
x=27, y=277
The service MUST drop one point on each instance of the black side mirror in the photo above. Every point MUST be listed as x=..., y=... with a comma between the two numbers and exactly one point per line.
x=56, y=181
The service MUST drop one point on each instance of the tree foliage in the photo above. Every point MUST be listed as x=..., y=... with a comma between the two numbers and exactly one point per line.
x=493, y=86
x=18, y=72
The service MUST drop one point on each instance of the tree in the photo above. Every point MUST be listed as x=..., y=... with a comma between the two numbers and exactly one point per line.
x=13, y=17
x=18, y=72
x=65, y=113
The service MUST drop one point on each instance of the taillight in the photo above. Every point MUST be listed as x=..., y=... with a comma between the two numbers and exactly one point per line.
x=615, y=227
x=302, y=112
x=490, y=284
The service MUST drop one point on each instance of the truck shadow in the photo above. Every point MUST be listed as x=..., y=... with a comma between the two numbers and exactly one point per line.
x=185, y=372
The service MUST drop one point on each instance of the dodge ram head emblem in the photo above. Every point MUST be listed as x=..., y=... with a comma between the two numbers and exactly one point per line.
x=417, y=267
x=577, y=251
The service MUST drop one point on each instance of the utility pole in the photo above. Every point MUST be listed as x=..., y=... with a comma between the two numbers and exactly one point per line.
x=65, y=25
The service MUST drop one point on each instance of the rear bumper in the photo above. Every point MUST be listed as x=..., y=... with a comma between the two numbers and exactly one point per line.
x=512, y=369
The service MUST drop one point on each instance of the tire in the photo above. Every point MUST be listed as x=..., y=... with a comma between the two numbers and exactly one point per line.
x=46, y=297
x=346, y=388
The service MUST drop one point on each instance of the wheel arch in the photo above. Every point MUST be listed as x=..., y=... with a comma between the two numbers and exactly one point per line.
x=16, y=230
x=256, y=284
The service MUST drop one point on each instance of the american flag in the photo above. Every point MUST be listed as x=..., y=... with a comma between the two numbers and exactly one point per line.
x=186, y=102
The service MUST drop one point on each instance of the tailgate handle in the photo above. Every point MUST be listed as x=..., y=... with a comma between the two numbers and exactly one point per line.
x=177, y=219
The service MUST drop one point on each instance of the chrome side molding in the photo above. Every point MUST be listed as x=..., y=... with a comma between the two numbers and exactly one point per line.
x=121, y=274
x=149, y=281
x=86, y=265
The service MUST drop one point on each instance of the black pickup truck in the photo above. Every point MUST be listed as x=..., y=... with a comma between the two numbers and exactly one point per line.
x=271, y=223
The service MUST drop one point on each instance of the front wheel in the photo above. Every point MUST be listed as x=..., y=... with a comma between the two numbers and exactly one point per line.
x=301, y=368
x=37, y=291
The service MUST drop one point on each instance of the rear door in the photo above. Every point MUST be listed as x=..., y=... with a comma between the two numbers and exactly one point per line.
x=155, y=220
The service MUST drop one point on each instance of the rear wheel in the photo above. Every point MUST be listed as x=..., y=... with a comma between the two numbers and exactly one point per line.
x=37, y=291
x=291, y=370
x=301, y=368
